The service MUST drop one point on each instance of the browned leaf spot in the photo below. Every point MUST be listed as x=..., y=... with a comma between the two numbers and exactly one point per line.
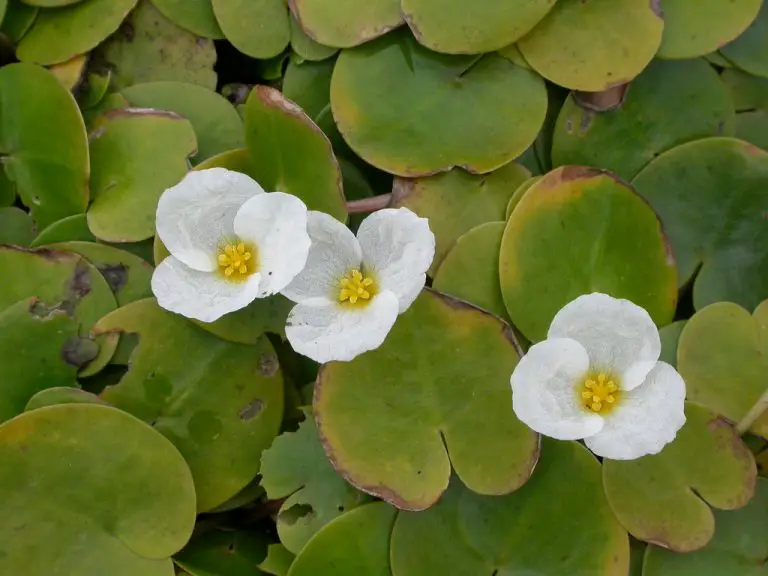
x=116, y=275
x=252, y=410
x=268, y=364
x=79, y=351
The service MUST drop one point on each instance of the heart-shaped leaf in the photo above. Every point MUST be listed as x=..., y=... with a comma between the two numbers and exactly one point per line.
x=172, y=373
x=663, y=498
x=591, y=228
x=258, y=28
x=495, y=108
x=80, y=473
x=394, y=420
x=719, y=235
x=723, y=356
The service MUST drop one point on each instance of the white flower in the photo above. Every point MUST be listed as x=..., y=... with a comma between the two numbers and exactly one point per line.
x=352, y=289
x=597, y=377
x=230, y=243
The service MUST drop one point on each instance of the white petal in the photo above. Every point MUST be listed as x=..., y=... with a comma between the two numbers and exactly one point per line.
x=276, y=223
x=204, y=296
x=545, y=389
x=334, y=252
x=334, y=332
x=616, y=333
x=197, y=214
x=646, y=419
x=398, y=247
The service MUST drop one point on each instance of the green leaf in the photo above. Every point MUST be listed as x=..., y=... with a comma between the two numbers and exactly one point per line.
x=346, y=23
x=670, y=337
x=354, y=544
x=135, y=155
x=257, y=28
x=295, y=467
x=61, y=395
x=456, y=201
x=518, y=195
x=289, y=153
x=224, y=554
x=305, y=47
x=696, y=27
x=172, y=372
x=217, y=124
x=194, y=15
x=717, y=238
x=80, y=473
x=71, y=73
x=477, y=112
x=67, y=229
x=395, y=420
x=594, y=45
x=663, y=498
x=740, y=545
x=149, y=47
x=750, y=50
x=723, y=357
x=278, y=560
x=470, y=271
x=18, y=19
x=557, y=524
x=49, y=168
x=58, y=35
x=580, y=230
x=669, y=104
x=479, y=26
x=16, y=227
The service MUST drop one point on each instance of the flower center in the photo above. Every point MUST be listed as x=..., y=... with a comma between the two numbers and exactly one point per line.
x=599, y=393
x=237, y=261
x=356, y=289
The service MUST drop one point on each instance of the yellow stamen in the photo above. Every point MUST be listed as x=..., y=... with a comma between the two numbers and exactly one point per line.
x=599, y=392
x=237, y=261
x=356, y=289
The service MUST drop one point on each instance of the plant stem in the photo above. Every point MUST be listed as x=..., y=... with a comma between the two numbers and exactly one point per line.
x=754, y=413
x=369, y=204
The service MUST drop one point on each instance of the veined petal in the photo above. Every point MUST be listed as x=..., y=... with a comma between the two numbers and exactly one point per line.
x=334, y=252
x=647, y=419
x=276, y=223
x=204, y=296
x=337, y=332
x=195, y=215
x=545, y=390
x=617, y=334
x=398, y=248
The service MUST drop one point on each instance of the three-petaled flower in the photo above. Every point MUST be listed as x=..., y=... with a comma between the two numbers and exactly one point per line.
x=597, y=377
x=353, y=288
x=230, y=243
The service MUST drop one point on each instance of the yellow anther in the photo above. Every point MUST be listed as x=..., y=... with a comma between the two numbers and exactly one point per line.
x=599, y=392
x=355, y=288
x=237, y=261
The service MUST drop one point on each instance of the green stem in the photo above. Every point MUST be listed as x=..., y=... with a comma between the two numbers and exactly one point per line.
x=754, y=413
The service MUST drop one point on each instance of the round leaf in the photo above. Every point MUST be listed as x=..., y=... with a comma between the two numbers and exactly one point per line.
x=306, y=47
x=518, y=195
x=17, y=20
x=194, y=15
x=695, y=27
x=477, y=112
x=750, y=50
x=61, y=395
x=84, y=473
x=740, y=545
x=396, y=432
x=594, y=45
x=663, y=498
x=470, y=271
x=722, y=236
x=558, y=523
x=670, y=337
x=258, y=28
x=353, y=544
x=223, y=554
x=135, y=155
x=70, y=73
x=58, y=35
x=668, y=104
x=217, y=124
x=470, y=28
x=346, y=23
x=289, y=153
x=296, y=468
x=16, y=227
x=49, y=168
x=172, y=373
x=455, y=201
x=723, y=357
x=150, y=47
x=65, y=230
x=580, y=230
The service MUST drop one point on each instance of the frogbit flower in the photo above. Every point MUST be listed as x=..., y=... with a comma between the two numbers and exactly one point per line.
x=230, y=243
x=352, y=289
x=597, y=377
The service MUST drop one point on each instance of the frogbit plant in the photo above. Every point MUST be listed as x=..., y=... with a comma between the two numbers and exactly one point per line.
x=230, y=243
x=598, y=377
